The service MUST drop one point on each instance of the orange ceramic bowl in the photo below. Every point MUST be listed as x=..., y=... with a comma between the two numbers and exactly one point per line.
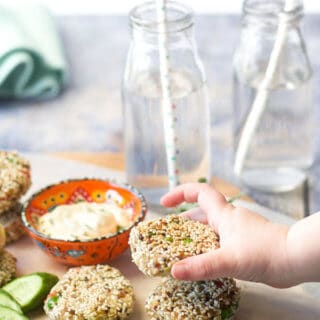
x=83, y=252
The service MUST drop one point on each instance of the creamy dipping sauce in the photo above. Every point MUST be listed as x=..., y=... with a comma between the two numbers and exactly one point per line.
x=84, y=221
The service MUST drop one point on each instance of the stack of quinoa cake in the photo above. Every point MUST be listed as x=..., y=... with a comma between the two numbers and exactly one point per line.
x=15, y=180
x=156, y=245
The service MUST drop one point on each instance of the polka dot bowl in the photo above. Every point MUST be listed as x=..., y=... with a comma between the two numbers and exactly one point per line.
x=83, y=252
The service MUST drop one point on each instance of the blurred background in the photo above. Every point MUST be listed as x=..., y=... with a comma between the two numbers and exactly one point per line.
x=95, y=38
x=122, y=6
x=80, y=50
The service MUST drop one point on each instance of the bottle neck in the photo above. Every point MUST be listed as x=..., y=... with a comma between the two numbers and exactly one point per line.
x=172, y=38
x=268, y=13
x=146, y=25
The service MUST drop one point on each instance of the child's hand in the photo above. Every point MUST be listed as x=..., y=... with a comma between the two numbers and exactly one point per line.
x=251, y=247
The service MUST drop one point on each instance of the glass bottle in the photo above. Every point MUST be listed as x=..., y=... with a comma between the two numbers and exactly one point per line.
x=145, y=153
x=282, y=143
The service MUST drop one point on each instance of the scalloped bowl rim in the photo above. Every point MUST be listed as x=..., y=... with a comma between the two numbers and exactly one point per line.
x=125, y=186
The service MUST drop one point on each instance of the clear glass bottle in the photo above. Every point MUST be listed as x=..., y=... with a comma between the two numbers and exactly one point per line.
x=145, y=153
x=283, y=139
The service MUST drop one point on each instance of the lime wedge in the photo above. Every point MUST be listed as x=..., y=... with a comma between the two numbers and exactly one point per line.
x=7, y=300
x=31, y=290
x=9, y=314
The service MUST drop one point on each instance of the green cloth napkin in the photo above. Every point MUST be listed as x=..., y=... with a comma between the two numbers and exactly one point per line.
x=32, y=61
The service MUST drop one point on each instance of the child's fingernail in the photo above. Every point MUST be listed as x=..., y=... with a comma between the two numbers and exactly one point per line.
x=179, y=270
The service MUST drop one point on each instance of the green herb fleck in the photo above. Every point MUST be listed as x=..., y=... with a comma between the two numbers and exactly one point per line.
x=187, y=240
x=186, y=206
x=119, y=228
x=202, y=180
x=10, y=159
x=52, y=302
x=151, y=233
x=169, y=239
x=234, y=198
x=226, y=313
x=166, y=270
x=88, y=226
x=52, y=208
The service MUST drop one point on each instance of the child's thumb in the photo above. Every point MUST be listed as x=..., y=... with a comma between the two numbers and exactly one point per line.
x=211, y=265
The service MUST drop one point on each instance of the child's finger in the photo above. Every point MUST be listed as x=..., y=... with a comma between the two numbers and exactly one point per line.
x=186, y=192
x=210, y=201
x=196, y=214
x=190, y=192
x=211, y=265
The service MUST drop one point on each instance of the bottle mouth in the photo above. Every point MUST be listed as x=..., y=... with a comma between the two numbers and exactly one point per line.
x=144, y=16
x=273, y=8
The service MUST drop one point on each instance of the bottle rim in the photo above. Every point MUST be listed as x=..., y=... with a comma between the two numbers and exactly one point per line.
x=271, y=9
x=144, y=16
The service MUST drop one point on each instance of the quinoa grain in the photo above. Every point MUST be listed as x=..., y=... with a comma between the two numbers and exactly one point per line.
x=188, y=300
x=7, y=267
x=157, y=244
x=90, y=292
x=14, y=179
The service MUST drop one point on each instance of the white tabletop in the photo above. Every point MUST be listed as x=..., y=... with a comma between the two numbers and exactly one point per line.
x=257, y=302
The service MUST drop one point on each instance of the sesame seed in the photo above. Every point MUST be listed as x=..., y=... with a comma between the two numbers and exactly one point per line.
x=91, y=292
x=11, y=220
x=14, y=179
x=7, y=267
x=188, y=300
x=157, y=244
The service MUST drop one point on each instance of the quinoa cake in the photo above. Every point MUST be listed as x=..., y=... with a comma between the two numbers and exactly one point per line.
x=11, y=221
x=189, y=300
x=157, y=244
x=7, y=267
x=97, y=292
x=14, y=179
